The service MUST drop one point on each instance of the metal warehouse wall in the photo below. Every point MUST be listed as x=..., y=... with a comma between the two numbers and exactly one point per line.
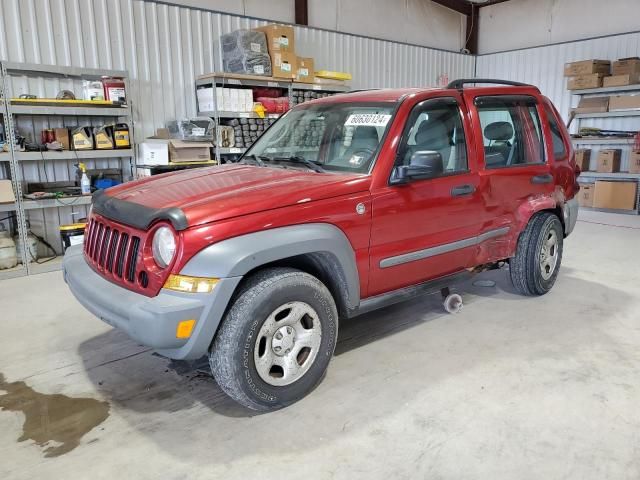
x=544, y=66
x=165, y=47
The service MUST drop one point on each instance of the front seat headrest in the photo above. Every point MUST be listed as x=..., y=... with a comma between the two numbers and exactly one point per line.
x=500, y=131
x=432, y=136
x=364, y=135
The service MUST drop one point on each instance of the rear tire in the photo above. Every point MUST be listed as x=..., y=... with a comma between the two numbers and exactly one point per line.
x=535, y=266
x=275, y=342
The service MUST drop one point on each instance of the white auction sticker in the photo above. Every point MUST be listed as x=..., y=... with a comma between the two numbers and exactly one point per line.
x=255, y=47
x=367, y=120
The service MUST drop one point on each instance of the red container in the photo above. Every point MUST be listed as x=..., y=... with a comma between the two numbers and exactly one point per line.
x=274, y=105
x=267, y=92
x=114, y=89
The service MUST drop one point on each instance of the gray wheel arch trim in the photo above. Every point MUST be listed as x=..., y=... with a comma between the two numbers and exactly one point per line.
x=237, y=256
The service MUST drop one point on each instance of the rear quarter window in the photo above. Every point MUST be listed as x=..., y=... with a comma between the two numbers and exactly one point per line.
x=559, y=148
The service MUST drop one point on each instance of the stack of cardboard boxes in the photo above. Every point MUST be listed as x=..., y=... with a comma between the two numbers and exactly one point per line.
x=281, y=47
x=614, y=194
x=586, y=73
x=602, y=73
x=609, y=194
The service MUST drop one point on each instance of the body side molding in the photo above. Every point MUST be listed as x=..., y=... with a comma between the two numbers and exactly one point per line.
x=440, y=249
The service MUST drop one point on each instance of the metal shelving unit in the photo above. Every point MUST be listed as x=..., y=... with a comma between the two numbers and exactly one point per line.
x=75, y=154
x=619, y=175
x=31, y=116
x=621, y=113
x=234, y=80
x=320, y=87
x=590, y=176
x=601, y=90
x=224, y=114
x=602, y=141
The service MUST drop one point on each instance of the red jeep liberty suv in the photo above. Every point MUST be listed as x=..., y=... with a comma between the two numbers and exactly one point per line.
x=344, y=205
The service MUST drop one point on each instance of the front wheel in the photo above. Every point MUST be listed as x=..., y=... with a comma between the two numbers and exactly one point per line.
x=535, y=266
x=276, y=340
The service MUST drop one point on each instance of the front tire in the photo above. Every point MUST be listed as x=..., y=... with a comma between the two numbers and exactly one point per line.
x=276, y=340
x=535, y=266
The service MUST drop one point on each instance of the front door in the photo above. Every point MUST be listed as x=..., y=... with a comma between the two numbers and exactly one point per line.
x=427, y=228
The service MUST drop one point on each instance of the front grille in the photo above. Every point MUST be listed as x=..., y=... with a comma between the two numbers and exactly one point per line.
x=112, y=250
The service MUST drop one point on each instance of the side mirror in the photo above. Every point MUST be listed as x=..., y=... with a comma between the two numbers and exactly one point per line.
x=423, y=164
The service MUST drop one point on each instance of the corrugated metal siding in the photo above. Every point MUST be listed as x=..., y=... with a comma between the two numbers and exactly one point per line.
x=164, y=48
x=544, y=67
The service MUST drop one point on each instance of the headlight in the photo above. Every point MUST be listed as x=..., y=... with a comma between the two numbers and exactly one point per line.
x=164, y=246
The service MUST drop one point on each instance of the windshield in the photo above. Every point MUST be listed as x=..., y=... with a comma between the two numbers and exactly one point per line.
x=325, y=137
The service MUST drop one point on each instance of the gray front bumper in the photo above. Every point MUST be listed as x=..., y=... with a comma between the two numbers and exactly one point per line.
x=151, y=321
x=570, y=211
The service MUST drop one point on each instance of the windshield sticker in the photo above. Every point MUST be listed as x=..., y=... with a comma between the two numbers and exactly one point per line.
x=356, y=160
x=367, y=120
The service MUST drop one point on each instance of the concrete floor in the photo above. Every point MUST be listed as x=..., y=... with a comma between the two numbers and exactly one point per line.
x=512, y=387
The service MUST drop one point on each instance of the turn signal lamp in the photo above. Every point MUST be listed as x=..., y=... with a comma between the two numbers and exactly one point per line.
x=186, y=284
x=184, y=328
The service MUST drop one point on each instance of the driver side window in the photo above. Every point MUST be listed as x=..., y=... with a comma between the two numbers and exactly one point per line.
x=435, y=126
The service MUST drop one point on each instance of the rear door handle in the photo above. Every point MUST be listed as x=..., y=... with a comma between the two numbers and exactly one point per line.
x=461, y=190
x=541, y=179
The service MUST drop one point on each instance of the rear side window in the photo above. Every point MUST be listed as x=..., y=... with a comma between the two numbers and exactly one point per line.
x=559, y=149
x=511, y=130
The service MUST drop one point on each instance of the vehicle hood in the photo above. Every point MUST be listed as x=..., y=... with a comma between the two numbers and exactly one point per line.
x=216, y=193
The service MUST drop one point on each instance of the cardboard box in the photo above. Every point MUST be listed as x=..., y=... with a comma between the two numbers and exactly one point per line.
x=305, y=70
x=583, y=159
x=593, y=105
x=624, y=102
x=616, y=195
x=284, y=65
x=234, y=98
x=585, y=195
x=634, y=162
x=280, y=38
x=626, y=66
x=180, y=152
x=6, y=192
x=204, y=96
x=621, y=80
x=609, y=160
x=593, y=80
x=219, y=98
x=153, y=151
x=62, y=136
x=248, y=100
x=226, y=99
x=587, y=67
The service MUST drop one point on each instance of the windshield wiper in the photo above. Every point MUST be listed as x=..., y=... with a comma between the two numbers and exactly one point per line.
x=298, y=159
x=257, y=159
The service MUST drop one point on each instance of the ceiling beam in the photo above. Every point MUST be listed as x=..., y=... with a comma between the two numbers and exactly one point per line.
x=490, y=2
x=301, y=8
x=460, y=6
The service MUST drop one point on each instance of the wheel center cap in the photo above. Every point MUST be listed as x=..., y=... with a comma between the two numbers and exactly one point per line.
x=283, y=340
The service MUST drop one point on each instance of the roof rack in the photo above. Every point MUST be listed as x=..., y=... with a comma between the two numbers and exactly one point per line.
x=460, y=83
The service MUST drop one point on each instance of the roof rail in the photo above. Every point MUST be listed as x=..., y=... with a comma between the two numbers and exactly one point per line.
x=458, y=84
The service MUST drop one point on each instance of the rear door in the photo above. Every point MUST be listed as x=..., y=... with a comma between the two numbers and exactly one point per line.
x=515, y=170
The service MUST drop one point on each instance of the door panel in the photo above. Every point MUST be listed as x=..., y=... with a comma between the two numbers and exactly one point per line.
x=419, y=231
x=508, y=185
x=428, y=228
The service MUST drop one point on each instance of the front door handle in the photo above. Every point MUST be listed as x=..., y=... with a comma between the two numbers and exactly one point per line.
x=461, y=190
x=542, y=179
